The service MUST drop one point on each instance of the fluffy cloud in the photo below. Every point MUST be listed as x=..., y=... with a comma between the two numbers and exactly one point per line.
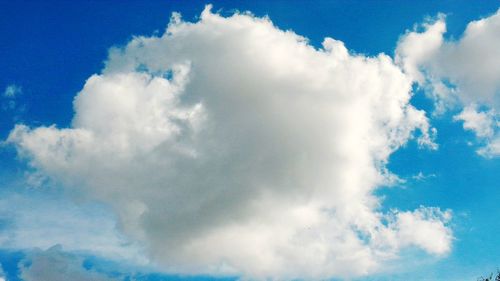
x=416, y=227
x=416, y=48
x=463, y=73
x=479, y=122
x=231, y=146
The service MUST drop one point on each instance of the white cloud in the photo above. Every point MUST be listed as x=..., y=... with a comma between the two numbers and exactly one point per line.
x=415, y=48
x=481, y=123
x=230, y=146
x=464, y=73
x=415, y=228
x=492, y=148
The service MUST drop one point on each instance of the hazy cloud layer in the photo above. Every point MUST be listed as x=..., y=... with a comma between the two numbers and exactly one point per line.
x=231, y=146
x=56, y=265
x=32, y=220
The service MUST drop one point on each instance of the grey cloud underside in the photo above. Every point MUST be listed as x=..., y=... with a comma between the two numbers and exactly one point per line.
x=230, y=146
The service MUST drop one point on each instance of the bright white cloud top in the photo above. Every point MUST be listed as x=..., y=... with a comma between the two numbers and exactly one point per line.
x=231, y=146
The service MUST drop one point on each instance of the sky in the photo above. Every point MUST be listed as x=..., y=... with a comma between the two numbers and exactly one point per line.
x=258, y=140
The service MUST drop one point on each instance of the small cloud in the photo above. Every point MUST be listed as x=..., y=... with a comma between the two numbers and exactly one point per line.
x=12, y=91
x=481, y=123
x=422, y=177
x=9, y=101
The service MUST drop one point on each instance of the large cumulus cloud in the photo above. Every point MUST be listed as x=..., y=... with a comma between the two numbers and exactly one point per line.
x=231, y=146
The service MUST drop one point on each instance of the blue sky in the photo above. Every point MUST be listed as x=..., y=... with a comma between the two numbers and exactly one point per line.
x=202, y=153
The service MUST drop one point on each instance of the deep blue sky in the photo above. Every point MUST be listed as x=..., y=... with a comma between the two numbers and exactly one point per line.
x=49, y=49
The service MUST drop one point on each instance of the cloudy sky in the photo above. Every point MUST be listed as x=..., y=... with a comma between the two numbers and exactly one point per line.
x=176, y=140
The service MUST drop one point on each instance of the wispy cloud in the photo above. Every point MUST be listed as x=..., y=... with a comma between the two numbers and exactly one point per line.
x=11, y=91
x=9, y=102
